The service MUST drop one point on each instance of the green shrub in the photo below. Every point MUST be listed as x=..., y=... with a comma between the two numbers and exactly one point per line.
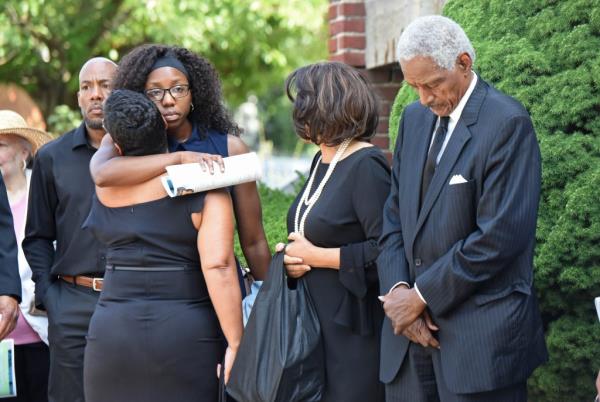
x=63, y=119
x=275, y=208
x=406, y=95
x=275, y=205
x=545, y=53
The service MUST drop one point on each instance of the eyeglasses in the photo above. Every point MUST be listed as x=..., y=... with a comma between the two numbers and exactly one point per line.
x=178, y=91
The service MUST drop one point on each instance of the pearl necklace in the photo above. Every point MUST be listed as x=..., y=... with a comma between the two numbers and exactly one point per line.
x=310, y=201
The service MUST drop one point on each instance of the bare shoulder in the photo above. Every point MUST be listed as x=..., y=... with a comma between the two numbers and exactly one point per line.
x=236, y=146
x=115, y=197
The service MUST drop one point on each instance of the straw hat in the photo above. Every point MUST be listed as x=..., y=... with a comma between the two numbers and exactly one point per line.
x=12, y=123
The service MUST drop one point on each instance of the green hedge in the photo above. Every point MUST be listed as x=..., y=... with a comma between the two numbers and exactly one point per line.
x=275, y=205
x=546, y=53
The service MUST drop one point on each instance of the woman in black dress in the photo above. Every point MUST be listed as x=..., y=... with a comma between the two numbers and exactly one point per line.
x=157, y=332
x=335, y=222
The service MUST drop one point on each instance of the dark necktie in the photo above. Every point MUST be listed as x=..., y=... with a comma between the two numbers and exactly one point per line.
x=434, y=150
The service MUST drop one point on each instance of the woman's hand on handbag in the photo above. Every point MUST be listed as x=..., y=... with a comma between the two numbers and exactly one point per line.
x=312, y=256
x=293, y=264
x=299, y=246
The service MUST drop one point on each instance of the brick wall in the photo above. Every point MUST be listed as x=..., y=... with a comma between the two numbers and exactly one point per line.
x=347, y=43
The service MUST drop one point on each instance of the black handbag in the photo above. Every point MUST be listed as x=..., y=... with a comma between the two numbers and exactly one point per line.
x=280, y=357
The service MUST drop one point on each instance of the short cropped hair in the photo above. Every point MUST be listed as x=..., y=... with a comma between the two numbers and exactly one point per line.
x=332, y=102
x=135, y=123
x=437, y=37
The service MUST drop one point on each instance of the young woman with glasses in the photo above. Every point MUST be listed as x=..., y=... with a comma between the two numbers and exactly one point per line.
x=186, y=89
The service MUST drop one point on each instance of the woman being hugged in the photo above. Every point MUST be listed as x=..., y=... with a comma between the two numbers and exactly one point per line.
x=170, y=291
x=186, y=89
x=336, y=220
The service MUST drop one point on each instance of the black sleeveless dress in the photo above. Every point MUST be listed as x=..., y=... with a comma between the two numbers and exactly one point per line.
x=154, y=335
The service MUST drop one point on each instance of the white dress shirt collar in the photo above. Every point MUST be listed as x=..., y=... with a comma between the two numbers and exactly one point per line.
x=455, y=115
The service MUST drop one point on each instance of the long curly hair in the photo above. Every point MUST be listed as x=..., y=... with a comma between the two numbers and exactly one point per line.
x=208, y=112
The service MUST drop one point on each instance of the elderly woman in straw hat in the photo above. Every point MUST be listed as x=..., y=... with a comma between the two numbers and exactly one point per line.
x=18, y=144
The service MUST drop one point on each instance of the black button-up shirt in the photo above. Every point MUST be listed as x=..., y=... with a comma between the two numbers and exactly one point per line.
x=60, y=197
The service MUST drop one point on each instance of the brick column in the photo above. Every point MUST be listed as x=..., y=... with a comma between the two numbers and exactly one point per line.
x=347, y=44
x=347, y=40
x=387, y=81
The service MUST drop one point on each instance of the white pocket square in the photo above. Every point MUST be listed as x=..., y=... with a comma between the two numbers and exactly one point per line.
x=457, y=179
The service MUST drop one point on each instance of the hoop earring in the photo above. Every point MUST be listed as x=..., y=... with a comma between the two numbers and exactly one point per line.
x=191, y=107
x=24, y=165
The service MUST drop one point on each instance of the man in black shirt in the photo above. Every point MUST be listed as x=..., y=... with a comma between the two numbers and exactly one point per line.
x=68, y=262
x=10, y=281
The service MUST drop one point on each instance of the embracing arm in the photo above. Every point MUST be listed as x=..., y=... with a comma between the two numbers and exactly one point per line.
x=506, y=220
x=215, y=245
x=107, y=167
x=248, y=213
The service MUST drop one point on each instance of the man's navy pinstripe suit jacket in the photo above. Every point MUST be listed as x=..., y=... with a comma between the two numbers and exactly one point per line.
x=470, y=247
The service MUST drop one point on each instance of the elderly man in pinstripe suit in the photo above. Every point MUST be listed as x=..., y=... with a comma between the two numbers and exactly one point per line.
x=462, y=321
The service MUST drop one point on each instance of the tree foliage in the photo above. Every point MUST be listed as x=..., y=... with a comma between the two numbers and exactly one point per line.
x=253, y=44
x=545, y=54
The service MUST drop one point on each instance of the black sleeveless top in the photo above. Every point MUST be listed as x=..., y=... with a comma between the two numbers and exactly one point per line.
x=150, y=234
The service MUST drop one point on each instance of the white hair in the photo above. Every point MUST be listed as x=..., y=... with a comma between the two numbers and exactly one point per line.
x=437, y=37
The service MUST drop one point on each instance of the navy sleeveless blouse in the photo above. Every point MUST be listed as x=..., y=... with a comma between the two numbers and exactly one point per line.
x=213, y=142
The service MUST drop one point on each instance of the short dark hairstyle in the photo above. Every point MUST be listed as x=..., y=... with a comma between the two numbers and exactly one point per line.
x=135, y=123
x=209, y=111
x=332, y=102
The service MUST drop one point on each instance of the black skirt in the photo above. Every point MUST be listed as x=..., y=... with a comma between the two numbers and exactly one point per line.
x=154, y=336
